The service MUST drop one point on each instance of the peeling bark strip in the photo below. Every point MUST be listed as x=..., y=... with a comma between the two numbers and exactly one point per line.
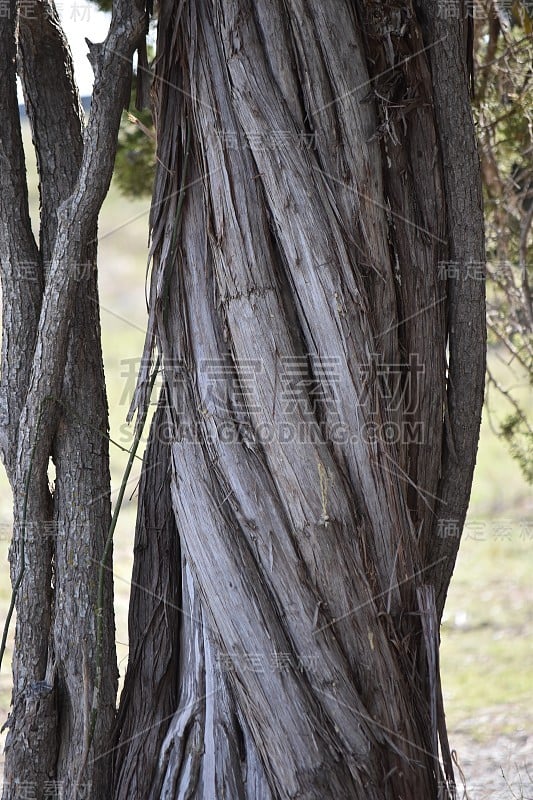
x=154, y=625
x=315, y=217
x=53, y=399
x=467, y=328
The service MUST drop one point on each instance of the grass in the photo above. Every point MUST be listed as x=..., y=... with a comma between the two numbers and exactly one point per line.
x=486, y=653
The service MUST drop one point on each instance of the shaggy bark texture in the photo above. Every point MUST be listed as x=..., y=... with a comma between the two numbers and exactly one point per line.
x=317, y=168
x=311, y=458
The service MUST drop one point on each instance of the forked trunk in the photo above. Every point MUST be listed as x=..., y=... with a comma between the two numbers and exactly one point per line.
x=53, y=407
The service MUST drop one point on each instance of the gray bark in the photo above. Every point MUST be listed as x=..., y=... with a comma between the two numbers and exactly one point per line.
x=315, y=168
x=55, y=407
x=467, y=328
x=325, y=551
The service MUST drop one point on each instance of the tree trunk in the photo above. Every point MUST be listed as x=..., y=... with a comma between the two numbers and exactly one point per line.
x=317, y=166
x=54, y=407
x=310, y=462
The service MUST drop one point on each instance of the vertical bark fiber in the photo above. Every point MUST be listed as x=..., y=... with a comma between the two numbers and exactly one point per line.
x=311, y=144
x=316, y=165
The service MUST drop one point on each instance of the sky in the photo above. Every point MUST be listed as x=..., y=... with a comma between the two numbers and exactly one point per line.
x=80, y=19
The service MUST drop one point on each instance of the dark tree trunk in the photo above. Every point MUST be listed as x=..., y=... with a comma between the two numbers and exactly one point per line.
x=317, y=165
x=54, y=407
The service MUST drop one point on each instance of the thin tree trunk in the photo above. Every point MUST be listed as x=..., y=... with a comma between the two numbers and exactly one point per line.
x=299, y=219
x=55, y=408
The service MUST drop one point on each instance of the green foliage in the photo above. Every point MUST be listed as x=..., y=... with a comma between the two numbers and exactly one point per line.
x=503, y=108
x=103, y=5
x=503, y=112
x=135, y=160
x=520, y=441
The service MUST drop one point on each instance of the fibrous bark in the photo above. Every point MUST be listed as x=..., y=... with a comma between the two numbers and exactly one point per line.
x=304, y=201
x=316, y=166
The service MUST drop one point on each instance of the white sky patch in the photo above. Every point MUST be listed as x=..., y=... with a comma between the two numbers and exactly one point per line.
x=80, y=19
